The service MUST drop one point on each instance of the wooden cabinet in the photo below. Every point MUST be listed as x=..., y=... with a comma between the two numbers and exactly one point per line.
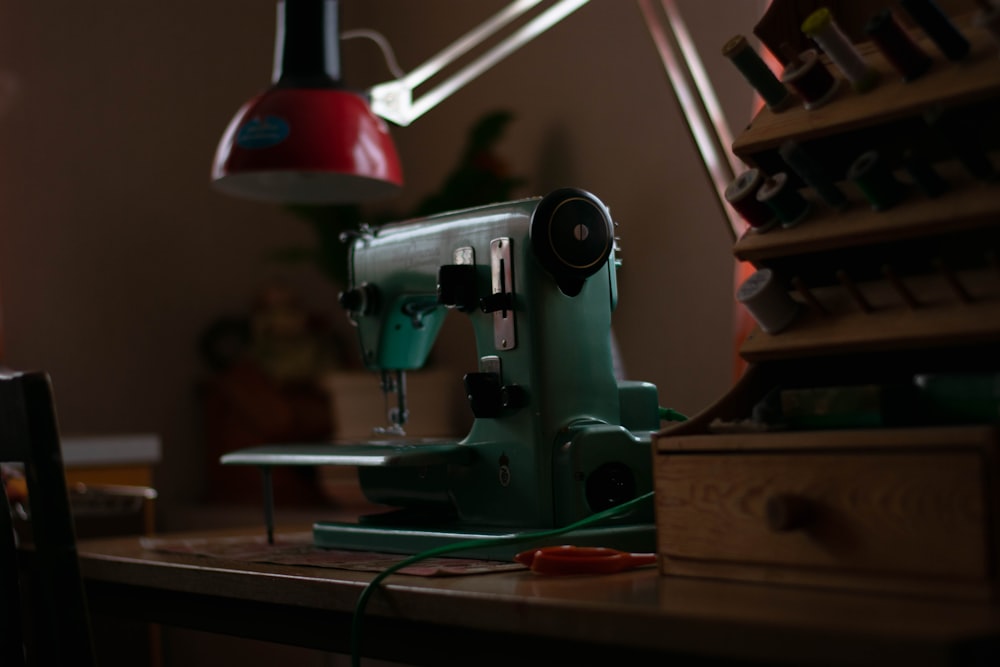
x=898, y=509
x=893, y=493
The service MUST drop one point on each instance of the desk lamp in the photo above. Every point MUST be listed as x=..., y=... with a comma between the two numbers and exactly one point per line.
x=309, y=140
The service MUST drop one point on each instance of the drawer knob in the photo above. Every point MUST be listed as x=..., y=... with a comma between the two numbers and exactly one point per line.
x=786, y=512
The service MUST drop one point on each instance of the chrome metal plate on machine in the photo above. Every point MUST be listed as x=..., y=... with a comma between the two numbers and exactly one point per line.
x=502, y=273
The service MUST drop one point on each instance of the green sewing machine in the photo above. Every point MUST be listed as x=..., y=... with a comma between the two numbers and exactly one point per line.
x=556, y=436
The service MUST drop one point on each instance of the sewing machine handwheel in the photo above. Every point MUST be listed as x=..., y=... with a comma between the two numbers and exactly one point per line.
x=572, y=234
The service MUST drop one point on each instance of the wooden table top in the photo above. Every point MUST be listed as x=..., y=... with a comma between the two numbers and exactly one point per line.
x=636, y=615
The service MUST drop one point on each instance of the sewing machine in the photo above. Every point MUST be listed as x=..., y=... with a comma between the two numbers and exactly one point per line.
x=556, y=437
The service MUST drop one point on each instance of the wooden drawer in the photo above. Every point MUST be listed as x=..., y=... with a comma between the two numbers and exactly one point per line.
x=905, y=510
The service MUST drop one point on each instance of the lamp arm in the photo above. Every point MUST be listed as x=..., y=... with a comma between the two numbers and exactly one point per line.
x=697, y=100
x=393, y=100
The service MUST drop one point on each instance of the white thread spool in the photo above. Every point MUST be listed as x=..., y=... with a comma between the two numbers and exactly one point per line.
x=768, y=301
x=823, y=29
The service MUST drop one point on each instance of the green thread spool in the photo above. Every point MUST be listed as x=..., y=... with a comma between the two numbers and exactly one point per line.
x=923, y=174
x=788, y=205
x=876, y=181
x=813, y=173
x=757, y=73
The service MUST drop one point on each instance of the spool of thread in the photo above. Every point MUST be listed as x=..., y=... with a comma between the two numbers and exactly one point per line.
x=821, y=27
x=923, y=175
x=964, y=142
x=767, y=301
x=876, y=181
x=988, y=19
x=812, y=173
x=810, y=78
x=741, y=194
x=938, y=27
x=757, y=73
x=897, y=46
x=788, y=205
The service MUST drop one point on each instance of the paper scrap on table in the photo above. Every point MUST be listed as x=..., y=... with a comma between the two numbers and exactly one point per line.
x=298, y=549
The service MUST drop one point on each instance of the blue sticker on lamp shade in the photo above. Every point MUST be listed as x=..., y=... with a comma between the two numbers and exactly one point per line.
x=262, y=132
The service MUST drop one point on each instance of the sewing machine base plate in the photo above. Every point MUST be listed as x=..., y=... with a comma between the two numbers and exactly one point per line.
x=639, y=537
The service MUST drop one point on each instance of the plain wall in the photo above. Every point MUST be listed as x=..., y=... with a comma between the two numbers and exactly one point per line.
x=115, y=253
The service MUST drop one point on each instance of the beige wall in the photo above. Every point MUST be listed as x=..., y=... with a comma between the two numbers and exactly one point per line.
x=115, y=253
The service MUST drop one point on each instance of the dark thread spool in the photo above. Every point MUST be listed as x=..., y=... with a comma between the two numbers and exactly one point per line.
x=897, y=45
x=741, y=194
x=757, y=73
x=876, y=181
x=812, y=173
x=923, y=175
x=938, y=27
x=988, y=19
x=962, y=138
x=810, y=78
x=788, y=205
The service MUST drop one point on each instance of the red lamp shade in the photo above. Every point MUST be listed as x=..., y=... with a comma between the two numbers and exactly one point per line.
x=307, y=139
x=307, y=146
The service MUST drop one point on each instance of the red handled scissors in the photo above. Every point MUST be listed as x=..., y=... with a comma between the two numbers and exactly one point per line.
x=569, y=559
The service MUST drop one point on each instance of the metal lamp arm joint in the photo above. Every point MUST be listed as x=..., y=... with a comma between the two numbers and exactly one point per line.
x=393, y=100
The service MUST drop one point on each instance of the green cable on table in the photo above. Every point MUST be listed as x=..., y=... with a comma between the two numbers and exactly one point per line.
x=359, y=608
x=469, y=544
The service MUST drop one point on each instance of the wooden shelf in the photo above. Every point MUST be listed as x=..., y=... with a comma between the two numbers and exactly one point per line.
x=969, y=204
x=883, y=112
x=940, y=321
x=928, y=244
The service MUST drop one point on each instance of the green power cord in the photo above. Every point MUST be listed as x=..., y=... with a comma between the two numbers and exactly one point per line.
x=513, y=538
x=671, y=415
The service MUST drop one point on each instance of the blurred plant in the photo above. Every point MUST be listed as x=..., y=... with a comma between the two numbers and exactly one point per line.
x=480, y=176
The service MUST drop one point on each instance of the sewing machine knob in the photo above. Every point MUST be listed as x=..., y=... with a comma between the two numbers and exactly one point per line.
x=610, y=485
x=484, y=393
x=361, y=299
x=513, y=396
x=488, y=398
x=456, y=286
x=572, y=235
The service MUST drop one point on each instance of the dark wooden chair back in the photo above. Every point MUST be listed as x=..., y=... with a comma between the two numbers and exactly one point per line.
x=44, y=618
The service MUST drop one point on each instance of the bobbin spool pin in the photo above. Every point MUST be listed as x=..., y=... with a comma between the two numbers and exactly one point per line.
x=810, y=78
x=757, y=73
x=768, y=301
x=741, y=194
x=821, y=28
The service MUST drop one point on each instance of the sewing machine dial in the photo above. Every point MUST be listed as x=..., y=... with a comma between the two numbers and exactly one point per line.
x=572, y=235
